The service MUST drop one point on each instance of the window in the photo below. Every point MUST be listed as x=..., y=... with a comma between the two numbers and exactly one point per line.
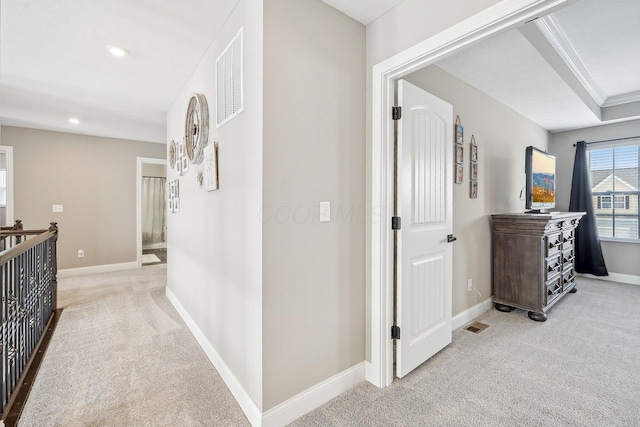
x=614, y=179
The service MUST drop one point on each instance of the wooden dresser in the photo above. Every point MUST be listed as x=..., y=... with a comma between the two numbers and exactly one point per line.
x=533, y=260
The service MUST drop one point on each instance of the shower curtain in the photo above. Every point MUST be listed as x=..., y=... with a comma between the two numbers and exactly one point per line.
x=153, y=209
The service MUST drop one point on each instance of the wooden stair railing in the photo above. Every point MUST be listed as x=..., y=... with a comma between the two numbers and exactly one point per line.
x=28, y=276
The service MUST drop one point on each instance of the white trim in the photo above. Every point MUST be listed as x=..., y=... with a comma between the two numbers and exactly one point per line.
x=471, y=314
x=139, y=162
x=313, y=397
x=615, y=277
x=625, y=98
x=96, y=269
x=498, y=18
x=557, y=37
x=251, y=411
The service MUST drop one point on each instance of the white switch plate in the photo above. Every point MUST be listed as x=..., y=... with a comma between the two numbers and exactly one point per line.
x=57, y=208
x=325, y=211
x=80, y=253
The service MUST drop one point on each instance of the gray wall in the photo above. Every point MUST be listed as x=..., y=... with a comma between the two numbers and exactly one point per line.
x=502, y=136
x=314, y=145
x=94, y=178
x=620, y=257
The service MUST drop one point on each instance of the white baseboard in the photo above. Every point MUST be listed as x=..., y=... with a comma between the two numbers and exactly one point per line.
x=247, y=405
x=313, y=397
x=470, y=314
x=94, y=269
x=615, y=277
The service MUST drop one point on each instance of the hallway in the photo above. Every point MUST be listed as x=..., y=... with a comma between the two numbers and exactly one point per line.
x=121, y=356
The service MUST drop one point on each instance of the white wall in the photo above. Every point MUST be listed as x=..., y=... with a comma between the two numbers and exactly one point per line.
x=413, y=21
x=215, y=241
x=314, y=130
x=502, y=136
x=620, y=257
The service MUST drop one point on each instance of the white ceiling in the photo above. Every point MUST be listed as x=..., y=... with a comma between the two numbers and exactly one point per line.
x=575, y=68
x=55, y=65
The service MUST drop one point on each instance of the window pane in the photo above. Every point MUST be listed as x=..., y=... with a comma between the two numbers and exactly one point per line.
x=605, y=225
x=626, y=168
x=614, y=178
x=601, y=169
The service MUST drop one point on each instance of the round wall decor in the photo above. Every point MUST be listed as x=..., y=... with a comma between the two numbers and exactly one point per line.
x=196, y=127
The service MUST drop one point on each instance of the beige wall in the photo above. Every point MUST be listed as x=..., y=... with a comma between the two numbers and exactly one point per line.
x=620, y=257
x=314, y=145
x=154, y=170
x=94, y=178
x=215, y=241
x=502, y=136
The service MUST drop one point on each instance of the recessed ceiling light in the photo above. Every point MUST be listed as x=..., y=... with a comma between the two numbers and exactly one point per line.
x=74, y=121
x=116, y=51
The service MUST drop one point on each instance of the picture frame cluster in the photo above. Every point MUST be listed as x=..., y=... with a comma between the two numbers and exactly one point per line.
x=459, y=159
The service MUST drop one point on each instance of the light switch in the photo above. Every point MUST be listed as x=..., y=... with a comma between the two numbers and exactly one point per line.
x=57, y=208
x=325, y=211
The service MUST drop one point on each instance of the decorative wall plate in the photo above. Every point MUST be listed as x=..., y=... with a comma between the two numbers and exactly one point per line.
x=196, y=127
x=172, y=154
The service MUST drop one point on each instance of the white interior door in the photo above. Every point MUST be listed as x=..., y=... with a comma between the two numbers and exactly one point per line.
x=425, y=184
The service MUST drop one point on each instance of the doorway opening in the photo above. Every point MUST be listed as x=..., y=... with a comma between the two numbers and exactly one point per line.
x=503, y=16
x=151, y=211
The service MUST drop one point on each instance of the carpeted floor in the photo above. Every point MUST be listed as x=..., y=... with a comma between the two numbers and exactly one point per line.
x=121, y=356
x=579, y=368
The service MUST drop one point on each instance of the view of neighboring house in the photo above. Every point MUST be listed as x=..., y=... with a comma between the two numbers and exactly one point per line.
x=615, y=191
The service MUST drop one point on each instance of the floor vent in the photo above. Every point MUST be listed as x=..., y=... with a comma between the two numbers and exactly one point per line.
x=476, y=327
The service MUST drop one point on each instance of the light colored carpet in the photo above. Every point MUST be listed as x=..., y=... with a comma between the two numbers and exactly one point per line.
x=579, y=368
x=121, y=356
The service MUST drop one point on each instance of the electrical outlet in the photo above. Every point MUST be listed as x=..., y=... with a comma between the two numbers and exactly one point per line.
x=469, y=285
x=80, y=253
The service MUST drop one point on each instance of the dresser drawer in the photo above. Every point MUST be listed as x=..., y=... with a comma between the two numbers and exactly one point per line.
x=554, y=243
x=553, y=265
x=553, y=288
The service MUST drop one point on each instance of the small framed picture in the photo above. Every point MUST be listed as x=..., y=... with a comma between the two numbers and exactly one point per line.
x=474, y=171
x=473, y=191
x=459, y=154
x=176, y=183
x=211, y=167
x=459, y=173
x=473, y=150
x=170, y=208
x=176, y=204
x=459, y=131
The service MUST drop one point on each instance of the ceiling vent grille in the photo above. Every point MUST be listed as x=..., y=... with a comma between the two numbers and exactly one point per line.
x=229, y=97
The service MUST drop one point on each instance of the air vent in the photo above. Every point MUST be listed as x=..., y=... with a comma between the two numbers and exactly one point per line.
x=476, y=327
x=229, y=96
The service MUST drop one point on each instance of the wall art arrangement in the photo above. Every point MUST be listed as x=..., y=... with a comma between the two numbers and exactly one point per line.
x=459, y=151
x=473, y=168
x=193, y=151
x=211, y=167
x=174, y=196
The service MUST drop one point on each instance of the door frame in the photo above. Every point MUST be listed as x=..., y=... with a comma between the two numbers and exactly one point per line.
x=8, y=150
x=501, y=17
x=139, y=162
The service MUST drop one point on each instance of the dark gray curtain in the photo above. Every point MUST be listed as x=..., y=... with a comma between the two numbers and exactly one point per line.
x=589, y=257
